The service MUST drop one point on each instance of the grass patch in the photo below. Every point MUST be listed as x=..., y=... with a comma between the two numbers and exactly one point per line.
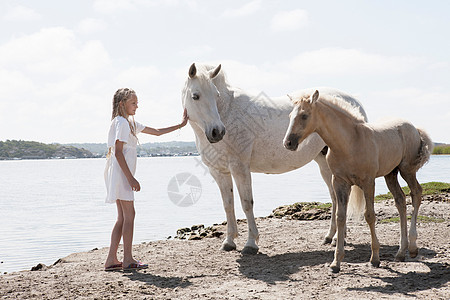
x=316, y=205
x=429, y=188
x=422, y=219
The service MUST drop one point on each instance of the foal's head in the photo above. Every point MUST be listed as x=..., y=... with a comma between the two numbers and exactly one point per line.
x=301, y=121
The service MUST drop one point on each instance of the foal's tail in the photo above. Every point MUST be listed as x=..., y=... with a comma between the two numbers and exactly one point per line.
x=356, y=203
x=426, y=147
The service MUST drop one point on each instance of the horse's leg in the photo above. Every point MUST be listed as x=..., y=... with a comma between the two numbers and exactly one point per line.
x=369, y=191
x=400, y=203
x=225, y=184
x=243, y=179
x=327, y=175
x=342, y=190
x=416, y=195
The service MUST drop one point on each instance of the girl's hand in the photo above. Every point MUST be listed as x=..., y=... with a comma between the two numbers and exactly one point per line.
x=135, y=186
x=185, y=118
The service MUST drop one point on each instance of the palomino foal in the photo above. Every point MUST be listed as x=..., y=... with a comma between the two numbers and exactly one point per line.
x=358, y=153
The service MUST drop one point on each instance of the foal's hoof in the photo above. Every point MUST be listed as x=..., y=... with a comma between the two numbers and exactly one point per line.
x=335, y=269
x=327, y=240
x=228, y=247
x=375, y=264
x=249, y=250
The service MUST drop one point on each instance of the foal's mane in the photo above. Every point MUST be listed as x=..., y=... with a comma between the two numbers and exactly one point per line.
x=337, y=103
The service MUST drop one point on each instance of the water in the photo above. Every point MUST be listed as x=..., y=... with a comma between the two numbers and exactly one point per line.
x=51, y=208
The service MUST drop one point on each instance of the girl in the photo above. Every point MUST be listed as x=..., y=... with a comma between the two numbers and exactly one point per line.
x=119, y=174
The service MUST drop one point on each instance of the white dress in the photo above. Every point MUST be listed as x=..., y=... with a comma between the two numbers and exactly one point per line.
x=117, y=186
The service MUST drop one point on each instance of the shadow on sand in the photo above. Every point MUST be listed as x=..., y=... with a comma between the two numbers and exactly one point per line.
x=158, y=281
x=271, y=269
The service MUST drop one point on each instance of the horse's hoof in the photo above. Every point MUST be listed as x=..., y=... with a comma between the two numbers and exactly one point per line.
x=228, y=247
x=334, y=242
x=249, y=250
x=400, y=257
x=327, y=240
x=413, y=253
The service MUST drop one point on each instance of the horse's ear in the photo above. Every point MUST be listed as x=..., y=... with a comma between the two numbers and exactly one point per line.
x=315, y=96
x=216, y=72
x=192, y=71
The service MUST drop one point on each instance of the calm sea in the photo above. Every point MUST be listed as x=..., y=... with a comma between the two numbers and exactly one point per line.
x=51, y=208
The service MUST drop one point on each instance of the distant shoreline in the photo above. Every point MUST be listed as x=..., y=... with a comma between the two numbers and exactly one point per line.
x=30, y=150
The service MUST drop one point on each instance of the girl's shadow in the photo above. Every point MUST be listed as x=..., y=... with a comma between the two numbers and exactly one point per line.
x=156, y=280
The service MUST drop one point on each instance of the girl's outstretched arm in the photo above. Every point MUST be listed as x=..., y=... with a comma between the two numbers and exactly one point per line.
x=135, y=186
x=161, y=131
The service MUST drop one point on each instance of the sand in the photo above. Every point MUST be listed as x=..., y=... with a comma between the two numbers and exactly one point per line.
x=292, y=264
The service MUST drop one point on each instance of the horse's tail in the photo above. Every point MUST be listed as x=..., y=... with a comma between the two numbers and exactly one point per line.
x=356, y=203
x=425, y=150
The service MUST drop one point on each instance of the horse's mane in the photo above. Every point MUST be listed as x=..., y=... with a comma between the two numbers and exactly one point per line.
x=221, y=78
x=337, y=103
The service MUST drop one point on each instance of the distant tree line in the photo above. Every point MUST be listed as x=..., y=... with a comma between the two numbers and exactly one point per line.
x=13, y=149
x=441, y=149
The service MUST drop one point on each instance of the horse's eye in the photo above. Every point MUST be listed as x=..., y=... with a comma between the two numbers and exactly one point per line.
x=304, y=117
x=195, y=96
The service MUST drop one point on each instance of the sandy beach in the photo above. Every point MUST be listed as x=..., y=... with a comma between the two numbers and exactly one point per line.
x=292, y=264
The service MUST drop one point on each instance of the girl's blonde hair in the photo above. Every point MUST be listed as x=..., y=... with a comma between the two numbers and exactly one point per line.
x=121, y=96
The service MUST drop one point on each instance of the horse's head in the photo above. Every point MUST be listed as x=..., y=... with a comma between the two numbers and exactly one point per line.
x=200, y=97
x=301, y=123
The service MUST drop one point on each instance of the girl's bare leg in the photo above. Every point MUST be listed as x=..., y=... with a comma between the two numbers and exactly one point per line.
x=116, y=235
x=127, y=232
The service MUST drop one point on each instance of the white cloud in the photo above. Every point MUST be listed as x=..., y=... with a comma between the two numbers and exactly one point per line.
x=333, y=61
x=114, y=6
x=196, y=51
x=427, y=109
x=91, y=25
x=245, y=10
x=252, y=78
x=289, y=20
x=51, y=78
x=21, y=13
x=137, y=77
x=55, y=51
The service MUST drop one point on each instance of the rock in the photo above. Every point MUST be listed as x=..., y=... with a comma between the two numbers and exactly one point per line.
x=303, y=211
x=198, y=232
x=197, y=227
x=39, y=267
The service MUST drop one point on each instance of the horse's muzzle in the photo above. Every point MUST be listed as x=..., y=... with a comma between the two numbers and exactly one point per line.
x=291, y=143
x=216, y=134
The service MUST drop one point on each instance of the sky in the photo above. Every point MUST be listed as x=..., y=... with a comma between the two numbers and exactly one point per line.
x=62, y=61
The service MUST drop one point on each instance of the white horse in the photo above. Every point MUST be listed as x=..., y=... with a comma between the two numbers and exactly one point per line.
x=237, y=133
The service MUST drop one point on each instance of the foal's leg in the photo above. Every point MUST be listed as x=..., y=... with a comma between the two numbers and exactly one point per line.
x=327, y=175
x=225, y=184
x=369, y=191
x=416, y=195
x=400, y=203
x=243, y=179
x=342, y=190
